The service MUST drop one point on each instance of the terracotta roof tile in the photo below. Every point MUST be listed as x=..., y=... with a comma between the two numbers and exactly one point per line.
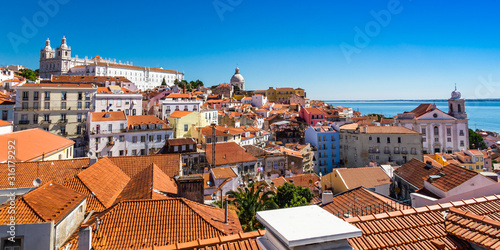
x=180, y=114
x=361, y=201
x=453, y=177
x=132, y=165
x=105, y=180
x=417, y=228
x=146, y=184
x=415, y=172
x=228, y=153
x=367, y=177
x=108, y=116
x=147, y=223
x=145, y=120
x=241, y=241
x=31, y=144
x=50, y=202
x=59, y=171
x=224, y=173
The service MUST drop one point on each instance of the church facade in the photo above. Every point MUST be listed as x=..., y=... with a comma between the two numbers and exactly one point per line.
x=441, y=132
x=59, y=62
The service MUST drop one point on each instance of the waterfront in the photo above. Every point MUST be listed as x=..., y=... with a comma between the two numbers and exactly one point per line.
x=481, y=114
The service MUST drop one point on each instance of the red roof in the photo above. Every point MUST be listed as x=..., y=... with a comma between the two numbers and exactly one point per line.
x=228, y=153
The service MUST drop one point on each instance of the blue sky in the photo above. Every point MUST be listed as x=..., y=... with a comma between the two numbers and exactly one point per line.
x=419, y=53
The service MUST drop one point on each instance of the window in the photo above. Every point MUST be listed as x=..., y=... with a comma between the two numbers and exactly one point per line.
x=35, y=105
x=47, y=105
x=370, y=138
x=134, y=151
x=103, y=102
x=46, y=117
x=133, y=111
x=158, y=138
x=110, y=128
x=134, y=139
x=378, y=139
x=87, y=105
x=80, y=96
x=79, y=129
x=127, y=112
x=25, y=105
x=151, y=138
x=110, y=153
x=87, y=95
x=122, y=138
x=399, y=139
x=119, y=102
x=461, y=132
x=122, y=152
x=5, y=115
x=186, y=128
x=436, y=130
x=64, y=96
x=143, y=138
x=423, y=131
x=448, y=131
x=25, y=95
x=388, y=139
x=35, y=118
x=9, y=245
x=63, y=105
x=35, y=96
x=79, y=105
x=462, y=143
x=324, y=138
x=143, y=151
x=448, y=139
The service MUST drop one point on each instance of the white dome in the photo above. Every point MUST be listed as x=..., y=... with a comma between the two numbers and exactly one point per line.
x=456, y=94
x=237, y=77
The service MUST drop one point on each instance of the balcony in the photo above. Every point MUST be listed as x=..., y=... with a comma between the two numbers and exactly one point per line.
x=46, y=122
x=110, y=143
x=396, y=151
x=63, y=121
x=404, y=151
x=63, y=133
x=24, y=122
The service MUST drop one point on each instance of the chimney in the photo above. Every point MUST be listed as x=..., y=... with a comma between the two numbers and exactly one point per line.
x=85, y=238
x=92, y=160
x=191, y=188
x=306, y=227
x=326, y=197
x=226, y=212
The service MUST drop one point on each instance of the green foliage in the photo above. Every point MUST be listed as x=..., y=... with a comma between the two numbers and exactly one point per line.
x=290, y=195
x=163, y=83
x=29, y=74
x=236, y=88
x=476, y=141
x=248, y=202
x=176, y=82
x=495, y=161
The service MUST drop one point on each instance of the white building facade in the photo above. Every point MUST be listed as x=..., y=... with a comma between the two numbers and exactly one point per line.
x=59, y=62
x=179, y=102
x=116, y=98
x=114, y=134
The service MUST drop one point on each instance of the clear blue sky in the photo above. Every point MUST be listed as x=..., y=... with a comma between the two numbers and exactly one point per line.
x=420, y=53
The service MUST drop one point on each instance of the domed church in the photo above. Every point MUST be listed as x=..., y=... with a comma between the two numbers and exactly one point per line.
x=237, y=79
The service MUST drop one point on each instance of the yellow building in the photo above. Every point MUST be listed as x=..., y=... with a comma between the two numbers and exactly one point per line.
x=471, y=159
x=282, y=95
x=184, y=122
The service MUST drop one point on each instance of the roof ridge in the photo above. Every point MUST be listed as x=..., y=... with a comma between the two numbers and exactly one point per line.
x=473, y=216
x=90, y=191
x=211, y=241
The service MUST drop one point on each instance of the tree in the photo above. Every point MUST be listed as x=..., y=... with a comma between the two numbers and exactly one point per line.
x=248, y=202
x=176, y=82
x=163, y=83
x=290, y=195
x=29, y=74
x=199, y=83
x=476, y=140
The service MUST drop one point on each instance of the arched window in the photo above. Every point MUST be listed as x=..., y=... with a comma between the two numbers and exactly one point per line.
x=459, y=108
x=436, y=130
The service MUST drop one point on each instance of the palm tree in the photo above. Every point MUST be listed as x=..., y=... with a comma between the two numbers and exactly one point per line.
x=248, y=202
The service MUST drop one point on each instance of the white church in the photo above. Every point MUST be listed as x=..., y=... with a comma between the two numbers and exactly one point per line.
x=59, y=62
x=441, y=132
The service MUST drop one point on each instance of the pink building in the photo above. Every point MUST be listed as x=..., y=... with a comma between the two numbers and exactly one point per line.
x=312, y=115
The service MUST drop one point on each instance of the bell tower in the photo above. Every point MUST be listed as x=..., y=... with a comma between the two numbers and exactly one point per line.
x=456, y=105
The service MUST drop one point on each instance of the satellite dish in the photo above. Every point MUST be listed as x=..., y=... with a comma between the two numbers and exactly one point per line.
x=37, y=182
